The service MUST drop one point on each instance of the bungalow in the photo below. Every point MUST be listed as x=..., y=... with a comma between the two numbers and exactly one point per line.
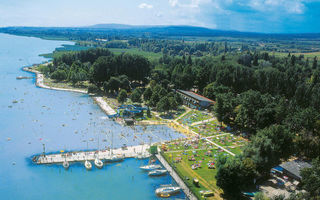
x=194, y=100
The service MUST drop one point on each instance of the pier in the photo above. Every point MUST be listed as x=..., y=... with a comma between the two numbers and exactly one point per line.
x=81, y=156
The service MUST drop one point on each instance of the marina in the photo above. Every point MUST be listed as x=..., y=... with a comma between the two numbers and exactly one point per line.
x=82, y=156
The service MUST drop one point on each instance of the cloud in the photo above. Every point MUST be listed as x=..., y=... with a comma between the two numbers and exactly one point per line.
x=292, y=6
x=188, y=4
x=144, y=5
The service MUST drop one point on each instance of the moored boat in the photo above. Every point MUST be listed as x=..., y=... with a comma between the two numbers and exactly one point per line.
x=169, y=190
x=88, y=165
x=98, y=163
x=158, y=172
x=150, y=167
x=66, y=164
x=116, y=158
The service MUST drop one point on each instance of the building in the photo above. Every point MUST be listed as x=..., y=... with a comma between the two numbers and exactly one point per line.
x=292, y=169
x=194, y=100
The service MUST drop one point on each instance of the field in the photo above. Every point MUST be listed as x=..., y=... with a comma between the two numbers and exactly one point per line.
x=149, y=55
x=65, y=49
x=194, y=116
x=306, y=55
x=191, y=159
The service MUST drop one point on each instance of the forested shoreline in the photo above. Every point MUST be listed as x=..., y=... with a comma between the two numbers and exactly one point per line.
x=274, y=101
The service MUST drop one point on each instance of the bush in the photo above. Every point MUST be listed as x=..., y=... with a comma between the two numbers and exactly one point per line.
x=93, y=89
x=59, y=75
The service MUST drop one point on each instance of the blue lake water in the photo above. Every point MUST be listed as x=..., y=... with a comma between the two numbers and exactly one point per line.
x=62, y=121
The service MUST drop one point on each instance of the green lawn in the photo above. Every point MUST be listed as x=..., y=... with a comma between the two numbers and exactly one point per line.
x=205, y=175
x=149, y=55
x=194, y=116
x=306, y=55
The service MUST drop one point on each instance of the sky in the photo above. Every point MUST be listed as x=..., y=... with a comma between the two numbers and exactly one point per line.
x=269, y=16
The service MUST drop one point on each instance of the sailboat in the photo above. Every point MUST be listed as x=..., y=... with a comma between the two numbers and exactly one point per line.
x=66, y=164
x=88, y=165
x=114, y=158
x=97, y=162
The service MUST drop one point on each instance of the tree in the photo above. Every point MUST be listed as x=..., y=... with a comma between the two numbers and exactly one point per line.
x=269, y=146
x=235, y=175
x=163, y=105
x=122, y=96
x=136, y=95
x=315, y=63
x=147, y=94
x=311, y=179
x=113, y=85
x=100, y=70
x=189, y=62
x=225, y=106
x=59, y=75
x=173, y=103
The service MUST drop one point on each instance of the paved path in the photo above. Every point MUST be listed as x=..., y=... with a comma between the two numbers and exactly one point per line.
x=203, y=121
x=177, y=178
x=104, y=106
x=197, y=134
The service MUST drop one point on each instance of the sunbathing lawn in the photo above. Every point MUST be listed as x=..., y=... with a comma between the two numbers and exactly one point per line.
x=194, y=116
x=205, y=175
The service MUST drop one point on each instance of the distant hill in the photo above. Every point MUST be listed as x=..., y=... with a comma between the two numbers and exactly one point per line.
x=123, y=31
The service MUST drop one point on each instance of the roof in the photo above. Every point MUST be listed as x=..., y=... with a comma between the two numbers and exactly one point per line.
x=294, y=167
x=195, y=96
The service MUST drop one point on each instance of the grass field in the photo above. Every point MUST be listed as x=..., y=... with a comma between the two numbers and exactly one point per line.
x=65, y=49
x=205, y=175
x=149, y=55
x=194, y=116
x=306, y=55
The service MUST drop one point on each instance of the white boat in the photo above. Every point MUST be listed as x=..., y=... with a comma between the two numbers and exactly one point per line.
x=66, y=164
x=88, y=165
x=150, y=167
x=158, y=172
x=167, y=191
x=98, y=163
x=115, y=158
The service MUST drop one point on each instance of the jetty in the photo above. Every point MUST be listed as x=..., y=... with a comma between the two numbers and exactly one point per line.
x=81, y=156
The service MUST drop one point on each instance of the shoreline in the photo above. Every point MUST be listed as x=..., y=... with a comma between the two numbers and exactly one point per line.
x=99, y=100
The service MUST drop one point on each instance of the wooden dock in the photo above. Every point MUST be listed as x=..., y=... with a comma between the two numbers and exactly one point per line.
x=81, y=156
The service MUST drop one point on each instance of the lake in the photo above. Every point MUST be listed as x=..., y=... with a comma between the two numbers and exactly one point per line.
x=32, y=116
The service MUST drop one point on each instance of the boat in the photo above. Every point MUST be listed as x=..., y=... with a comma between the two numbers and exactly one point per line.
x=115, y=158
x=66, y=164
x=167, y=191
x=88, y=165
x=150, y=167
x=23, y=77
x=98, y=163
x=158, y=172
